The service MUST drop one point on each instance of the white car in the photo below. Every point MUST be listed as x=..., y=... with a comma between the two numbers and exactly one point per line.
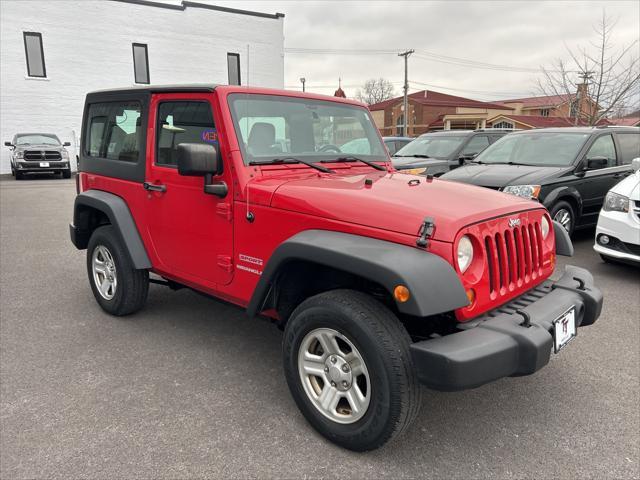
x=618, y=230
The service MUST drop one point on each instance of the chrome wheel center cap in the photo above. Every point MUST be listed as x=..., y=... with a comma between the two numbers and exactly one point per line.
x=338, y=372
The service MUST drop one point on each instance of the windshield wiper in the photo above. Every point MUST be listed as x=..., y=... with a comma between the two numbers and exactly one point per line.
x=294, y=160
x=512, y=163
x=416, y=155
x=356, y=159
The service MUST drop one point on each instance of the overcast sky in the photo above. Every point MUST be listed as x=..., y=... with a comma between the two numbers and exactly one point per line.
x=514, y=34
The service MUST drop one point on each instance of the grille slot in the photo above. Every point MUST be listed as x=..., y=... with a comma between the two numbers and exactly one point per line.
x=42, y=156
x=514, y=257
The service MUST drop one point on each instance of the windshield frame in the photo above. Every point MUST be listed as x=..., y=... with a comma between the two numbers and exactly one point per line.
x=514, y=136
x=371, y=132
x=46, y=135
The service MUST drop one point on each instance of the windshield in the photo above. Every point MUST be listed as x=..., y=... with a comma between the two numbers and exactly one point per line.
x=431, y=146
x=37, y=139
x=271, y=127
x=551, y=149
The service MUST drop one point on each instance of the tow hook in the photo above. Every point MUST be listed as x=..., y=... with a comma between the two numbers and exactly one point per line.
x=527, y=318
x=425, y=232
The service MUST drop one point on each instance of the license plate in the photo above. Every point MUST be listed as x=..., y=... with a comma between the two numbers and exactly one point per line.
x=44, y=164
x=564, y=329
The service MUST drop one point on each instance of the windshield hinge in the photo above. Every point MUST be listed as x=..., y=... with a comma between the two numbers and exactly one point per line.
x=425, y=232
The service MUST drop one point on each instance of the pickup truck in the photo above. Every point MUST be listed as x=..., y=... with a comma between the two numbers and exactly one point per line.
x=381, y=281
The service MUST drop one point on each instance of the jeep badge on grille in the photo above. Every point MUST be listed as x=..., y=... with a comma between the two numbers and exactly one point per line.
x=514, y=222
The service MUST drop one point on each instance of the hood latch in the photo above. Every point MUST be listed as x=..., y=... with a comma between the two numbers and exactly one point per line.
x=425, y=232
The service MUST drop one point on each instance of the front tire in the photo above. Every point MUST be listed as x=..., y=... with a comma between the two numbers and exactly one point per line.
x=348, y=366
x=563, y=213
x=119, y=288
x=66, y=173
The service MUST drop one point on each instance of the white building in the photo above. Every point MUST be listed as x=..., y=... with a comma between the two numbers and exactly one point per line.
x=54, y=52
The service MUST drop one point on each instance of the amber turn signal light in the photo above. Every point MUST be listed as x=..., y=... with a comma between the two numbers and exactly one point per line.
x=471, y=296
x=401, y=293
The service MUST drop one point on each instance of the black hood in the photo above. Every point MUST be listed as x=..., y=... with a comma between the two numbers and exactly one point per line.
x=503, y=175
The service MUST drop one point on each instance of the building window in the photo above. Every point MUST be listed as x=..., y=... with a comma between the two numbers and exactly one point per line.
x=503, y=124
x=400, y=126
x=544, y=112
x=35, y=54
x=233, y=66
x=140, y=63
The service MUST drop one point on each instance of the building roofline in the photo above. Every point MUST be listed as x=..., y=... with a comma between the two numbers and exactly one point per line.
x=188, y=3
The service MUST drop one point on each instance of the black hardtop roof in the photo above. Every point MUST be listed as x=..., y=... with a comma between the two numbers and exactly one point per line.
x=178, y=88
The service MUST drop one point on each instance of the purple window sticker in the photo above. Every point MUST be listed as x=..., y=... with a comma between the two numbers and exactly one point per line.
x=209, y=136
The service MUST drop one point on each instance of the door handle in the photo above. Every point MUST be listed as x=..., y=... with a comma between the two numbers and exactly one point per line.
x=620, y=175
x=154, y=188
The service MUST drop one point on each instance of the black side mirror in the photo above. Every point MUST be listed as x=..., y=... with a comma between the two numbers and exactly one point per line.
x=8, y=144
x=465, y=157
x=202, y=160
x=66, y=144
x=595, y=163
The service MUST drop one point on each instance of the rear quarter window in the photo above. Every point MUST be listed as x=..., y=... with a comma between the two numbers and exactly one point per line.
x=629, y=146
x=114, y=131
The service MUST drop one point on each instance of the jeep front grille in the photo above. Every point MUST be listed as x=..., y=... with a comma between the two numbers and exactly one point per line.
x=514, y=256
x=42, y=156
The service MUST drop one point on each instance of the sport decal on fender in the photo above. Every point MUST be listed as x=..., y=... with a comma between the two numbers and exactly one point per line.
x=252, y=260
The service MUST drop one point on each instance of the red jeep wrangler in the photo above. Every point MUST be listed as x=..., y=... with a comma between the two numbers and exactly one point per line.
x=381, y=281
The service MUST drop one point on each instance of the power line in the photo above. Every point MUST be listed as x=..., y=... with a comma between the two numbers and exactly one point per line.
x=422, y=54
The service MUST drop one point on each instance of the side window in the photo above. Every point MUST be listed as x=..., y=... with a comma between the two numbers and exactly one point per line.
x=476, y=145
x=182, y=122
x=114, y=131
x=603, y=147
x=629, y=146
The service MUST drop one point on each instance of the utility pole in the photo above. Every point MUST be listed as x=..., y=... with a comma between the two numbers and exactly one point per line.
x=302, y=80
x=405, y=107
x=585, y=75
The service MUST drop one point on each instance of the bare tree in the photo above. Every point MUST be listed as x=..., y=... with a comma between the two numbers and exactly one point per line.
x=598, y=81
x=375, y=91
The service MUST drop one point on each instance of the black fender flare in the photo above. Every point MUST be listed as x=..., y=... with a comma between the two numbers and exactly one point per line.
x=559, y=193
x=433, y=283
x=119, y=215
x=564, y=246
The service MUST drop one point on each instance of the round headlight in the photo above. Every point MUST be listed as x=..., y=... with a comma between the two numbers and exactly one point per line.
x=544, y=227
x=465, y=253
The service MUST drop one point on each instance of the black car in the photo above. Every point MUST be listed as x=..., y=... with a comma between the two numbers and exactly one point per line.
x=438, y=152
x=38, y=152
x=569, y=170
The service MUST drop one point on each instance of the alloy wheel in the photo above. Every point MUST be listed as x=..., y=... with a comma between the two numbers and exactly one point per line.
x=104, y=272
x=334, y=375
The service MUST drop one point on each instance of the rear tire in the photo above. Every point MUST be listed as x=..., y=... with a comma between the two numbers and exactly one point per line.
x=563, y=213
x=368, y=342
x=119, y=288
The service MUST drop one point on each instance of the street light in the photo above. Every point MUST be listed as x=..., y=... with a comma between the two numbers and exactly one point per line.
x=302, y=80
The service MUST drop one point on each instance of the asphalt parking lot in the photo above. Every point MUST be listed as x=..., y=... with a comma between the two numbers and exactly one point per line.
x=191, y=387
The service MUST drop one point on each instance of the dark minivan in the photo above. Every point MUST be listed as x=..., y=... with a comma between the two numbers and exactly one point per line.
x=435, y=153
x=569, y=170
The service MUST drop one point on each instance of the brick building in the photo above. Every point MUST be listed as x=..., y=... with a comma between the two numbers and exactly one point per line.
x=430, y=110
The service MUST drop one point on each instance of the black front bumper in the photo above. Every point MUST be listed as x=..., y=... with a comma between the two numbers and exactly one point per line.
x=498, y=345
